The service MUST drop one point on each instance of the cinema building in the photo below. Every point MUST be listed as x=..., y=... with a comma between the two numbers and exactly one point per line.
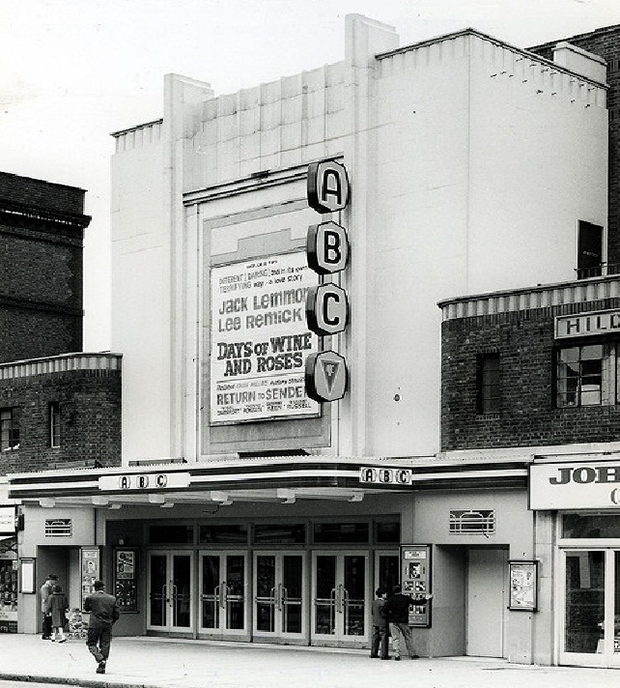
x=278, y=257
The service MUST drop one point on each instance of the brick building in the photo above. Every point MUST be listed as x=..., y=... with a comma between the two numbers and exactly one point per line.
x=60, y=411
x=499, y=372
x=41, y=242
x=59, y=407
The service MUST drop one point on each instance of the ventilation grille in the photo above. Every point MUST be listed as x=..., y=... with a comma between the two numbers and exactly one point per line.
x=472, y=522
x=58, y=527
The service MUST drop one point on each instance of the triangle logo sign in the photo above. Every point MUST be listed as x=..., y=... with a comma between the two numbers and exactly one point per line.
x=330, y=370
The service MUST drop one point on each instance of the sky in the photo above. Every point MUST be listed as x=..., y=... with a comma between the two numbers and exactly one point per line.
x=74, y=71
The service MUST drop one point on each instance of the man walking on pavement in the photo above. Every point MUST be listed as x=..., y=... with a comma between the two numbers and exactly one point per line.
x=104, y=613
x=46, y=590
x=397, y=610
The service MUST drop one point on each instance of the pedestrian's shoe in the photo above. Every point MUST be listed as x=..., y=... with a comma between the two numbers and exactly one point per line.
x=415, y=656
x=62, y=640
x=45, y=637
x=373, y=656
x=397, y=659
x=101, y=667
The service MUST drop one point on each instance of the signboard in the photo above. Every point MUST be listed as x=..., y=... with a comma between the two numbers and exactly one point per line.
x=386, y=476
x=588, y=485
x=7, y=520
x=587, y=324
x=327, y=247
x=90, y=571
x=143, y=481
x=328, y=186
x=523, y=586
x=260, y=340
x=415, y=579
x=326, y=376
x=327, y=309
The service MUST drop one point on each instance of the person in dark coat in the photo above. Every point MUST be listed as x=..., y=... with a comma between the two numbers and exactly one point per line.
x=379, y=639
x=58, y=607
x=46, y=590
x=397, y=610
x=104, y=613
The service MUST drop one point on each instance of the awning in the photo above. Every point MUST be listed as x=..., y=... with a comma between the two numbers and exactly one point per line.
x=267, y=479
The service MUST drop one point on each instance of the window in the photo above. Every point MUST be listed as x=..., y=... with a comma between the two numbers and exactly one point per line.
x=54, y=424
x=586, y=375
x=9, y=429
x=488, y=383
x=341, y=533
x=171, y=535
x=216, y=534
x=589, y=250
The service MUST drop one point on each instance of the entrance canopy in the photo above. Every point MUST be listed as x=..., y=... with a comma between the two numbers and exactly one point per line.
x=280, y=479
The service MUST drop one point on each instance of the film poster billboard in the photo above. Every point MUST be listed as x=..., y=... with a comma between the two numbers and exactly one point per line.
x=260, y=340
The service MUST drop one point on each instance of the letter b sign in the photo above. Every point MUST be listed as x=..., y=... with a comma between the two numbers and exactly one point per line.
x=327, y=248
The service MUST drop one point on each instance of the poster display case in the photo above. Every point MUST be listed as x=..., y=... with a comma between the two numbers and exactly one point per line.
x=90, y=570
x=523, y=585
x=8, y=593
x=126, y=579
x=415, y=577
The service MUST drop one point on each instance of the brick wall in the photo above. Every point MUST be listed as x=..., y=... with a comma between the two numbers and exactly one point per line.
x=606, y=44
x=527, y=417
x=36, y=192
x=90, y=411
x=41, y=263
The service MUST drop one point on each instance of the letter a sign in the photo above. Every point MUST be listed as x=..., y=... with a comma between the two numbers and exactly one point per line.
x=326, y=376
x=328, y=186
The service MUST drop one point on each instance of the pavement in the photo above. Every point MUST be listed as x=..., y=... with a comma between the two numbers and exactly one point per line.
x=169, y=663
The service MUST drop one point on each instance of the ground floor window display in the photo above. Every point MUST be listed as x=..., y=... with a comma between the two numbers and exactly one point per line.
x=8, y=592
x=590, y=618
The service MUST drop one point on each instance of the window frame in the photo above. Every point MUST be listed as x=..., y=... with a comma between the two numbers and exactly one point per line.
x=488, y=403
x=54, y=424
x=609, y=391
x=9, y=429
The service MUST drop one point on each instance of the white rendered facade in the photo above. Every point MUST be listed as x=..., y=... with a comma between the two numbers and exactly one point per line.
x=471, y=163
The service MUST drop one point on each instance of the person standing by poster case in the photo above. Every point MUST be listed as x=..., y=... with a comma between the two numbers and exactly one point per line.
x=396, y=609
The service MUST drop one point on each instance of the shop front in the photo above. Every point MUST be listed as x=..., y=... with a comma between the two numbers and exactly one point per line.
x=8, y=569
x=581, y=496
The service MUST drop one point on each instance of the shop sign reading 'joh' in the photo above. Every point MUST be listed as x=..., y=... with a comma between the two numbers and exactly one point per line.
x=327, y=305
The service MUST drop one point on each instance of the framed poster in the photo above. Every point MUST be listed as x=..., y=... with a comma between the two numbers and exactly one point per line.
x=27, y=576
x=90, y=571
x=523, y=585
x=125, y=579
x=415, y=579
x=260, y=340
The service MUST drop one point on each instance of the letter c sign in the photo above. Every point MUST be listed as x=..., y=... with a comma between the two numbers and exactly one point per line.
x=327, y=309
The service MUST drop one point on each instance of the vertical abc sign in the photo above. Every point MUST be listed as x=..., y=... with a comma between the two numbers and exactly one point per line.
x=327, y=305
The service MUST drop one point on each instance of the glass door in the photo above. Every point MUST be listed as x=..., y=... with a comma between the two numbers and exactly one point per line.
x=279, y=583
x=170, y=591
x=340, y=597
x=223, y=608
x=590, y=627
